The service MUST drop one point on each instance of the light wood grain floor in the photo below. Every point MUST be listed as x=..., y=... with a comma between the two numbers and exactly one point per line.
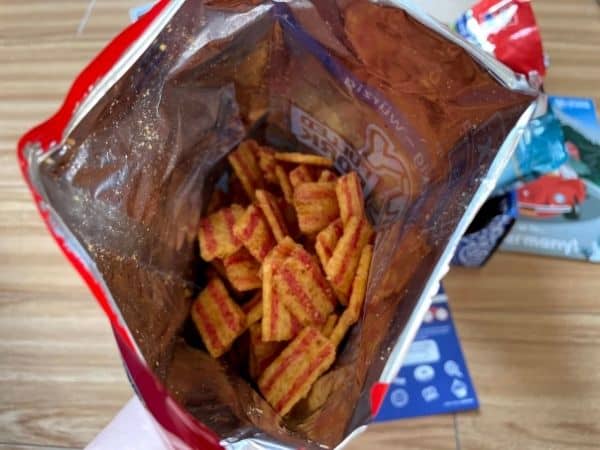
x=530, y=327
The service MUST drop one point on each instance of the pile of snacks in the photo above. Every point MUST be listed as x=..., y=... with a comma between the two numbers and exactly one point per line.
x=293, y=237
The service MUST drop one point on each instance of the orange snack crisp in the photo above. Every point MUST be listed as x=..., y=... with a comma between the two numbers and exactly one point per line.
x=216, y=236
x=245, y=165
x=327, y=239
x=350, y=197
x=290, y=376
x=316, y=206
x=303, y=158
x=269, y=205
x=278, y=324
x=303, y=288
x=342, y=265
x=241, y=269
x=284, y=184
x=253, y=231
x=267, y=162
x=359, y=288
x=218, y=318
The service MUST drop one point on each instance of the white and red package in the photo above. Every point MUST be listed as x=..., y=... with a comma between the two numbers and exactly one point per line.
x=508, y=30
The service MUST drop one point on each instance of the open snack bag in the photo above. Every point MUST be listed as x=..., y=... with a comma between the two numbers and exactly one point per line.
x=264, y=195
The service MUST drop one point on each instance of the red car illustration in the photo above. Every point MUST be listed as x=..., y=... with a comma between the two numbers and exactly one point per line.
x=551, y=195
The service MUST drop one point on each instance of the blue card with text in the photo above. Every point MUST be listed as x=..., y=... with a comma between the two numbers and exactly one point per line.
x=434, y=378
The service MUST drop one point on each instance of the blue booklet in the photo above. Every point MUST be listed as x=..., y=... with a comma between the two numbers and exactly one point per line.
x=559, y=212
x=434, y=378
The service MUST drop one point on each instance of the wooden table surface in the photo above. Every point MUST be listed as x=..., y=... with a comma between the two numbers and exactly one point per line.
x=530, y=327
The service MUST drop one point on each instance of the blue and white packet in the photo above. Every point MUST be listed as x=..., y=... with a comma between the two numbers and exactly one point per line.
x=434, y=378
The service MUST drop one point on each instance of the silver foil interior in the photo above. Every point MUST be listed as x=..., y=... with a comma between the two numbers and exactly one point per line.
x=419, y=114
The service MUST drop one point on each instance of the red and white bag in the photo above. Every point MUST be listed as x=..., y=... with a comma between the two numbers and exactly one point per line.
x=122, y=171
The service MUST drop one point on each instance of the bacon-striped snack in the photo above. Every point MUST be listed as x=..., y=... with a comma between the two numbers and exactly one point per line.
x=269, y=205
x=262, y=353
x=253, y=231
x=350, y=197
x=218, y=318
x=316, y=206
x=253, y=309
x=267, y=162
x=327, y=176
x=303, y=158
x=281, y=251
x=241, y=269
x=245, y=165
x=359, y=284
x=303, y=288
x=327, y=329
x=277, y=324
x=289, y=378
x=327, y=239
x=342, y=265
x=284, y=184
x=299, y=175
x=341, y=328
x=216, y=236
x=359, y=288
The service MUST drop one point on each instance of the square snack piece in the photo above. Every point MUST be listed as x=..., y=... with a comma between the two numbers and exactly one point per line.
x=350, y=197
x=216, y=236
x=245, y=165
x=271, y=209
x=253, y=231
x=359, y=289
x=327, y=239
x=277, y=323
x=241, y=269
x=218, y=318
x=316, y=206
x=303, y=288
x=289, y=378
x=341, y=267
